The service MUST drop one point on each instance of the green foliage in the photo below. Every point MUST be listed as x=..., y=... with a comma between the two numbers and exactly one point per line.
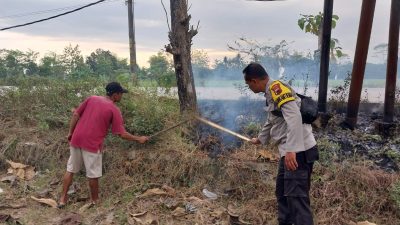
x=15, y=62
x=104, y=63
x=313, y=24
x=395, y=193
x=39, y=100
x=145, y=113
x=328, y=151
x=50, y=65
x=161, y=70
x=69, y=64
x=48, y=103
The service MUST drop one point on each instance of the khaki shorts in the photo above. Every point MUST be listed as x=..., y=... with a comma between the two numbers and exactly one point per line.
x=92, y=162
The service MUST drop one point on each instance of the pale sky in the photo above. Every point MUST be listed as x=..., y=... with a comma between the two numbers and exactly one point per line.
x=221, y=22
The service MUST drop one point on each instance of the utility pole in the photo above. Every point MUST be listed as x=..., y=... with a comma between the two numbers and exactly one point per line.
x=132, y=43
x=325, y=47
x=360, y=59
x=391, y=70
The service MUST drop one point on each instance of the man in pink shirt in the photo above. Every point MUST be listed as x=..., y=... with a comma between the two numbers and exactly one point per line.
x=89, y=126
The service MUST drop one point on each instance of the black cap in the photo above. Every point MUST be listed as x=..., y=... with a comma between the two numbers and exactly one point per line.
x=115, y=87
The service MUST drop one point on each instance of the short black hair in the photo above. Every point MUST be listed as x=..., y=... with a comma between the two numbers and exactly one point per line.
x=254, y=71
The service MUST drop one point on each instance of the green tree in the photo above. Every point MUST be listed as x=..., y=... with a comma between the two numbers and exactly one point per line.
x=313, y=24
x=16, y=62
x=104, y=63
x=161, y=70
x=51, y=66
x=29, y=62
x=73, y=62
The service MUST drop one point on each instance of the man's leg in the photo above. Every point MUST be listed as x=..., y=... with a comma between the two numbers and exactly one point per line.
x=93, y=165
x=73, y=166
x=66, y=184
x=94, y=189
x=283, y=208
x=297, y=188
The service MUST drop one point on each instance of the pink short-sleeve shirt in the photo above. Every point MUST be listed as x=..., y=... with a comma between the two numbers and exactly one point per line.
x=96, y=114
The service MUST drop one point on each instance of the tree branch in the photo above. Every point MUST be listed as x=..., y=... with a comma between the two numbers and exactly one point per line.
x=166, y=15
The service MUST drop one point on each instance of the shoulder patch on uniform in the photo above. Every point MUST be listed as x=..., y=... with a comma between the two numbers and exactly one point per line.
x=280, y=93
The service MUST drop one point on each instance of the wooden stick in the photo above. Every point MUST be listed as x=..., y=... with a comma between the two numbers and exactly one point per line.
x=222, y=128
x=170, y=128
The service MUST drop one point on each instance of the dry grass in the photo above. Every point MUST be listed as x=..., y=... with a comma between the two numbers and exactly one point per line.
x=349, y=191
x=344, y=192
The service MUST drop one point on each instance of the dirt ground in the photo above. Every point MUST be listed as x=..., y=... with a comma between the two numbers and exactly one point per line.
x=172, y=181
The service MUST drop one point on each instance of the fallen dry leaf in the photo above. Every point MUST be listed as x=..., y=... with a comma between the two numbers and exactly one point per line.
x=15, y=165
x=46, y=201
x=179, y=211
x=242, y=222
x=232, y=211
x=22, y=171
x=144, y=218
x=29, y=173
x=86, y=207
x=169, y=190
x=153, y=192
x=365, y=223
x=198, y=202
x=139, y=214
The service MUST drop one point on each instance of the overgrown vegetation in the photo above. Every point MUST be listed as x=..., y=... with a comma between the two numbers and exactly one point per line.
x=34, y=121
x=45, y=105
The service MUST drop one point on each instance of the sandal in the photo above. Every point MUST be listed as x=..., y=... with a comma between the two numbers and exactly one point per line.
x=61, y=205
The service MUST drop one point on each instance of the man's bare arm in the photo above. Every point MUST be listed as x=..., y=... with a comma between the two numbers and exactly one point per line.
x=72, y=125
x=131, y=137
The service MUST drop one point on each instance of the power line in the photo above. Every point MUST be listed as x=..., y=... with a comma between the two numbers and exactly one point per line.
x=52, y=17
x=39, y=12
x=47, y=11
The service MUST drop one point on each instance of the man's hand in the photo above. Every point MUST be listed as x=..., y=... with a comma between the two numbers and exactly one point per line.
x=143, y=139
x=290, y=161
x=255, y=141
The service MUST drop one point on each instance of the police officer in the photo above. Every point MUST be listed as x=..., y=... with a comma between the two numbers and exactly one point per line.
x=296, y=144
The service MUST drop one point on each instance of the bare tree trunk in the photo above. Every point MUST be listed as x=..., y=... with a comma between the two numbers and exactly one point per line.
x=180, y=37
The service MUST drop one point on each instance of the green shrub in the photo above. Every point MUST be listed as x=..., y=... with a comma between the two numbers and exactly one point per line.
x=395, y=193
x=328, y=151
x=48, y=103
